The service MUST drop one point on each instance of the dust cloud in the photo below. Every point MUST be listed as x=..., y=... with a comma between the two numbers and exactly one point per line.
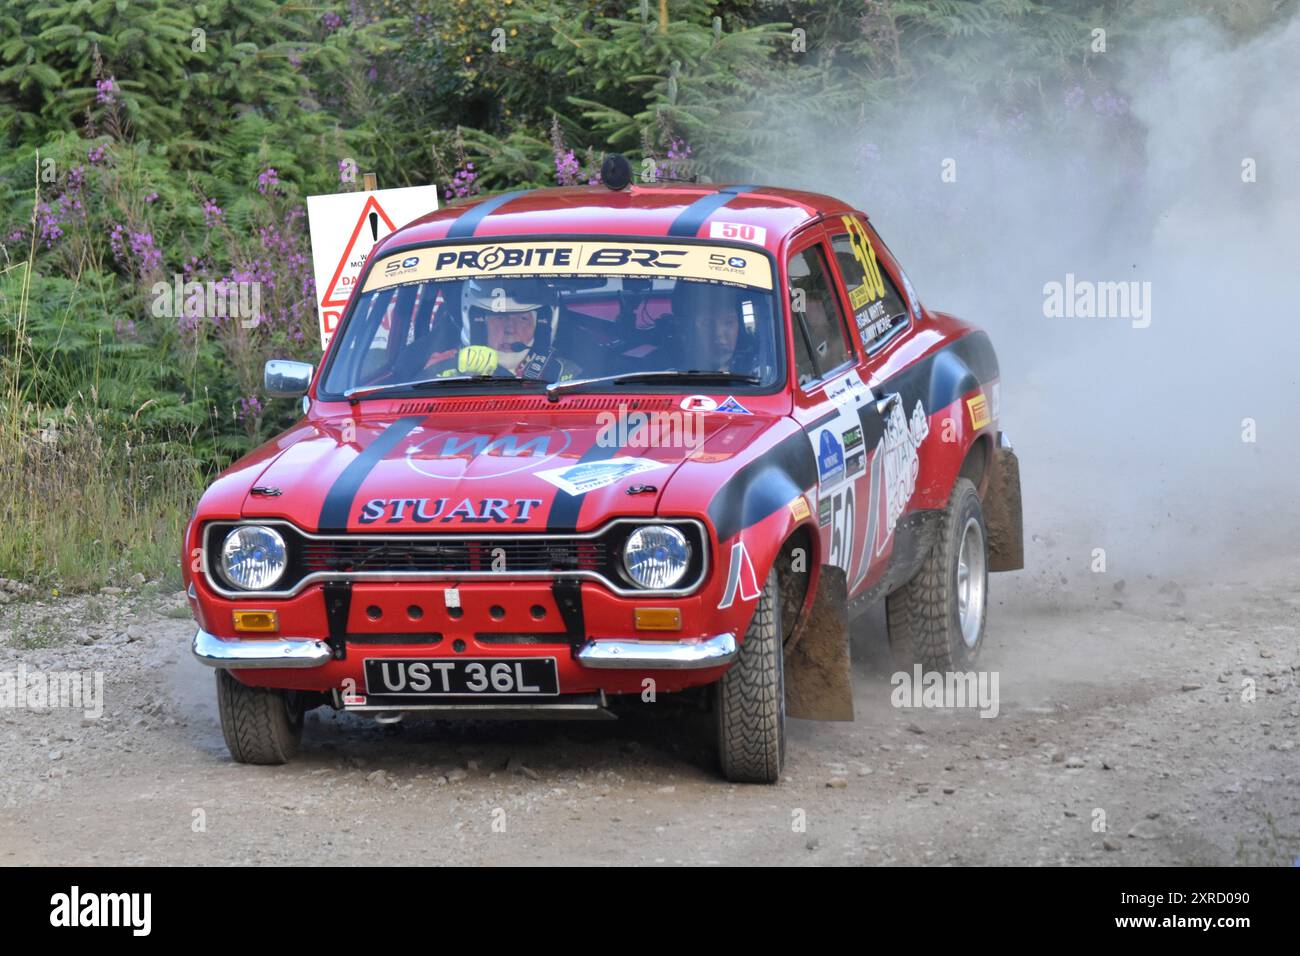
x=1133, y=431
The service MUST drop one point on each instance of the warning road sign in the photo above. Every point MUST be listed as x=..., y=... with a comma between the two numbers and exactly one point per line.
x=344, y=228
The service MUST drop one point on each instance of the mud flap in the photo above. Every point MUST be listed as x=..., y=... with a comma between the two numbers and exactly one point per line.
x=1002, y=511
x=818, y=682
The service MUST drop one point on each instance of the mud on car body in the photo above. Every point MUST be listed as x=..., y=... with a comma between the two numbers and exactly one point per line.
x=572, y=444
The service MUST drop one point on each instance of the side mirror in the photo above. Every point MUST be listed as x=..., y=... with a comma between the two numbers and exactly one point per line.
x=286, y=379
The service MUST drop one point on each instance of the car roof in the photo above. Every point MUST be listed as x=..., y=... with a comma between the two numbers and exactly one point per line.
x=677, y=210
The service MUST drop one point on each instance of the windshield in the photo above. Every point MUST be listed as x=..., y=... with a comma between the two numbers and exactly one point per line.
x=555, y=311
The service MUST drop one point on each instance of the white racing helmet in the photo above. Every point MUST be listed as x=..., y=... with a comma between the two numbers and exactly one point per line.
x=485, y=297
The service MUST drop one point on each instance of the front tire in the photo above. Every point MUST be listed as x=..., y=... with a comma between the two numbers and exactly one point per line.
x=262, y=725
x=937, y=618
x=749, y=703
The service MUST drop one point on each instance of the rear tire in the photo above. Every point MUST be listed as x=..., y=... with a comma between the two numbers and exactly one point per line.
x=749, y=703
x=262, y=725
x=937, y=618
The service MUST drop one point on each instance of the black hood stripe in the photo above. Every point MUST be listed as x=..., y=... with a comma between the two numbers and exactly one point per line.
x=338, y=503
x=690, y=219
x=565, y=507
x=469, y=220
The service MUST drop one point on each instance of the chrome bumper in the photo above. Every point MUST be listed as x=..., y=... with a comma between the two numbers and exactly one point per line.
x=659, y=655
x=615, y=653
x=243, y=652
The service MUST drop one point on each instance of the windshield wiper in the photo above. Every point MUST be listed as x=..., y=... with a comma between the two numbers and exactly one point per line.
x=366, y=391
x=556, y=389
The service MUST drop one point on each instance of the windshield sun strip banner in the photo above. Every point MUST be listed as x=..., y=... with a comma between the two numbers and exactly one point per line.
x=560, y=258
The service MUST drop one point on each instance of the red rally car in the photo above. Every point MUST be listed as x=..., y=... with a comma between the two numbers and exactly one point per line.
x=569, y=444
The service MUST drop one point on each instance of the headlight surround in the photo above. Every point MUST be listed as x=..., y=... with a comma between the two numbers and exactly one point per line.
x=253, y=557
x=656, y=557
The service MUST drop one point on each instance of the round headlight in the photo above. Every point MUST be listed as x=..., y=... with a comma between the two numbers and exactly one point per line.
x=253, y=557
x=656, y=556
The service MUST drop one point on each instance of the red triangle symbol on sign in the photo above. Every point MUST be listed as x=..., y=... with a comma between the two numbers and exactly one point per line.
x=333, y=295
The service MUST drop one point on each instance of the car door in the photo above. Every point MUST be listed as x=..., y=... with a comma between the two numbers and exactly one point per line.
x=882, y=317
x=833, y=406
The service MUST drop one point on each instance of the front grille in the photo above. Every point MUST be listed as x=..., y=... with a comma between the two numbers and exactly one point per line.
x=396, y=557
x=454, y=557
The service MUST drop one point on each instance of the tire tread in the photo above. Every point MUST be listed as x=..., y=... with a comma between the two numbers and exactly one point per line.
x=750, y=699
x=259, y=724
x=920, y=613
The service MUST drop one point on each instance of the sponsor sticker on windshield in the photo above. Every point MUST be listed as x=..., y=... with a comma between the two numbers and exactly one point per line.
x=554, y=258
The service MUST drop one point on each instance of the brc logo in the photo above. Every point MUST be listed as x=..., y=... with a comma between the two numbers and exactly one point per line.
x=655, y=258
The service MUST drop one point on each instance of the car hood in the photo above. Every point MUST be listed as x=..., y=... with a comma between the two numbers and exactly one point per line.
x=489, y=471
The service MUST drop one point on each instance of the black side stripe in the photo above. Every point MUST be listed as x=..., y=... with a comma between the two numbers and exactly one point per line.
x=565, y=507
x=764, y=486
x=936, y=381
x=690, y=219
x=788, y=469
x=824, y=420
x=464, y=226
x=338, y=503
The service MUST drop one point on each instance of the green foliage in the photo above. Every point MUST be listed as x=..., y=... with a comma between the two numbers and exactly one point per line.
x=145, y=139
x=183, y=70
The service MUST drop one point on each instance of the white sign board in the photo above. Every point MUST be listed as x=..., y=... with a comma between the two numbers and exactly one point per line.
x=344, y=228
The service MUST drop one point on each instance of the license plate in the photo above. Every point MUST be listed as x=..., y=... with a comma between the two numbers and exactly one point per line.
x=454, y=677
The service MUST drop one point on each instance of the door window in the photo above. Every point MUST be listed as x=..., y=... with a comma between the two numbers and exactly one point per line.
x=819, y=321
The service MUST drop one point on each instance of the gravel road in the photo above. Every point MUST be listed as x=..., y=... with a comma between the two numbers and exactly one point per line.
x=1127, y=703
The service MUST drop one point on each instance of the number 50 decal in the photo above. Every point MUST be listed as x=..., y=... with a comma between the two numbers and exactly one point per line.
x=841, y=550
x=736, y=230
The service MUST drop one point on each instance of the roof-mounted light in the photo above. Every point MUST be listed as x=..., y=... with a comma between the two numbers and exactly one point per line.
x=616, y=171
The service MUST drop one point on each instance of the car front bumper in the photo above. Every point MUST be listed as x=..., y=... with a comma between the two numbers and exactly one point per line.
x=606, y=653
x=242, y=652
